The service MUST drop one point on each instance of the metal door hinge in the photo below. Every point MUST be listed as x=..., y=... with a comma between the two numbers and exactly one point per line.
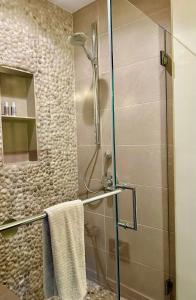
x=168, y=287
x=163, y=58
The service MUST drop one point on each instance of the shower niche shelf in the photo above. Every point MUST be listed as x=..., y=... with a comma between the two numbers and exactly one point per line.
x=18, y=131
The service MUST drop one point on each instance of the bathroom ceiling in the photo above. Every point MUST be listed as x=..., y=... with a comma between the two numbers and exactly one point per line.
x=71, y=5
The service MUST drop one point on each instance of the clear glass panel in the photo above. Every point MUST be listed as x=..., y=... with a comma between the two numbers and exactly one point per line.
x=94, y=163
x=141, y=87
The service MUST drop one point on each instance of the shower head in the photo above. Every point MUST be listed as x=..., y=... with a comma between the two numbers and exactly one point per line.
x=79, y=39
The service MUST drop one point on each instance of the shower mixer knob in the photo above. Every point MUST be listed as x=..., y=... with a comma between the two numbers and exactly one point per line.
x=107, y=181
x=108, y=155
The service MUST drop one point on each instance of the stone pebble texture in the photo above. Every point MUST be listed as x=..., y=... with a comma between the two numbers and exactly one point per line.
x=33, y=37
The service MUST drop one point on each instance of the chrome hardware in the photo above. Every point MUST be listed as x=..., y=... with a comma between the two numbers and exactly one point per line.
x=168, y=287
x=134, y=202
x=30, y=220
x=107, y=182
x=163, y=58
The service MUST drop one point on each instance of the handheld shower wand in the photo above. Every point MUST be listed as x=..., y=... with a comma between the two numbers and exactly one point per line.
x=80, y=39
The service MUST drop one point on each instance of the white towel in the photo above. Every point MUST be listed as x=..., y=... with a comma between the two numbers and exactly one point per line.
x=64, y=251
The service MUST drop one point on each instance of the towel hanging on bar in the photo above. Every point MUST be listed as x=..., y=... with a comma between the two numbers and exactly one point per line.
x=64, y=251
x=42, y=216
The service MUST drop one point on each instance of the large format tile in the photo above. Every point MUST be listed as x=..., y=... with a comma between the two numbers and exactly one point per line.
x=96, y=207
x=148, y=246
x=85, y=154
x=133, y=85
x=138, y=41
x=136, y=125
x=144, y=281
x=83, y=66
x=142, y=165
x=94, y=230
x=163, y=18
x=152, y=207
x=84, y=95
x=141, y=125
x=123, y=13
x=85, y=124
x=96, y=262
x=83, y=18
x=95, y=185
x=151, y=6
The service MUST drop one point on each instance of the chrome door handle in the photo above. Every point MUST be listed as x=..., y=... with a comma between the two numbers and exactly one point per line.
x=134, y=203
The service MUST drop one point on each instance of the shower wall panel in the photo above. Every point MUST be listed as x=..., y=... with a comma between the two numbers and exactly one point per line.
x=140, y=107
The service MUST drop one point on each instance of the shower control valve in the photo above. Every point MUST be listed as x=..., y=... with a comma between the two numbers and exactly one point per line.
x=107, y=181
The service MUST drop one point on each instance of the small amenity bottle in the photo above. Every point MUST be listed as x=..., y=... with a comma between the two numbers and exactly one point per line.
x=13, y=109
x=6, y=108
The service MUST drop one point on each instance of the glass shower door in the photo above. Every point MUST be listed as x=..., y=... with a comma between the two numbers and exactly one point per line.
x=140, y=157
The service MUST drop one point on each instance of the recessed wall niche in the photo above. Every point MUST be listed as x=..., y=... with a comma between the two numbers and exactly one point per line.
x=19, y=128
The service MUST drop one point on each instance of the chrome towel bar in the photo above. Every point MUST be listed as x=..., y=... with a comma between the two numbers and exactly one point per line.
x=30, y=220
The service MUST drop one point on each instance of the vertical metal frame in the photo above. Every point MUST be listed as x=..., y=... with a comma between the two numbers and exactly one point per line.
x=115, y=198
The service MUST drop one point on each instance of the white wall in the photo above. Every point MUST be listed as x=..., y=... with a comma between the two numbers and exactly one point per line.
x=184, y=28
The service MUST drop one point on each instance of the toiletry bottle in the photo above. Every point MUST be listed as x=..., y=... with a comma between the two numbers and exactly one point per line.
x=13, y=109
x=2, y=107
x=6, y=108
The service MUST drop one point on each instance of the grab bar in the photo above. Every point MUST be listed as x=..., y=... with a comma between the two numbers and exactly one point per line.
x=31, y=220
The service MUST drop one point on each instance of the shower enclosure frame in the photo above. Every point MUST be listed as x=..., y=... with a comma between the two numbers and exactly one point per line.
x=115, y=199
x=168, y=282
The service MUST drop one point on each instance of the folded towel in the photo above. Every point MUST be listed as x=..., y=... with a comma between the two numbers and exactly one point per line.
x=64, y=251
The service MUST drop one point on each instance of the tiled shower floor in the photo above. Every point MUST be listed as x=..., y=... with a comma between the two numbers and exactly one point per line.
x=96, y=291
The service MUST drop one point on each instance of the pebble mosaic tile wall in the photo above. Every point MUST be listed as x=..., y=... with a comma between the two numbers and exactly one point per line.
x=33, y=37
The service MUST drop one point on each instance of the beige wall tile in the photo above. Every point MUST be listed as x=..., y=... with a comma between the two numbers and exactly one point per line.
x=104, y=91
x=86, y=129
x=96, y=262
x=138, y=41
x=148, y=246
x=84, y=95
x=85, y=153
x=94, y=230
x=83, y=67
x=83, y=18
x=126, y=292
x=152, y=207
x=123, y=13
x=132, y=84
x=151, y=6
x=141, y=125
x=142, y=165
x=147, y=281
x=163, y=18
x=158, y=11
x=106, y=127
x=135, y=125
x=94, y=185
x=96, y=207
